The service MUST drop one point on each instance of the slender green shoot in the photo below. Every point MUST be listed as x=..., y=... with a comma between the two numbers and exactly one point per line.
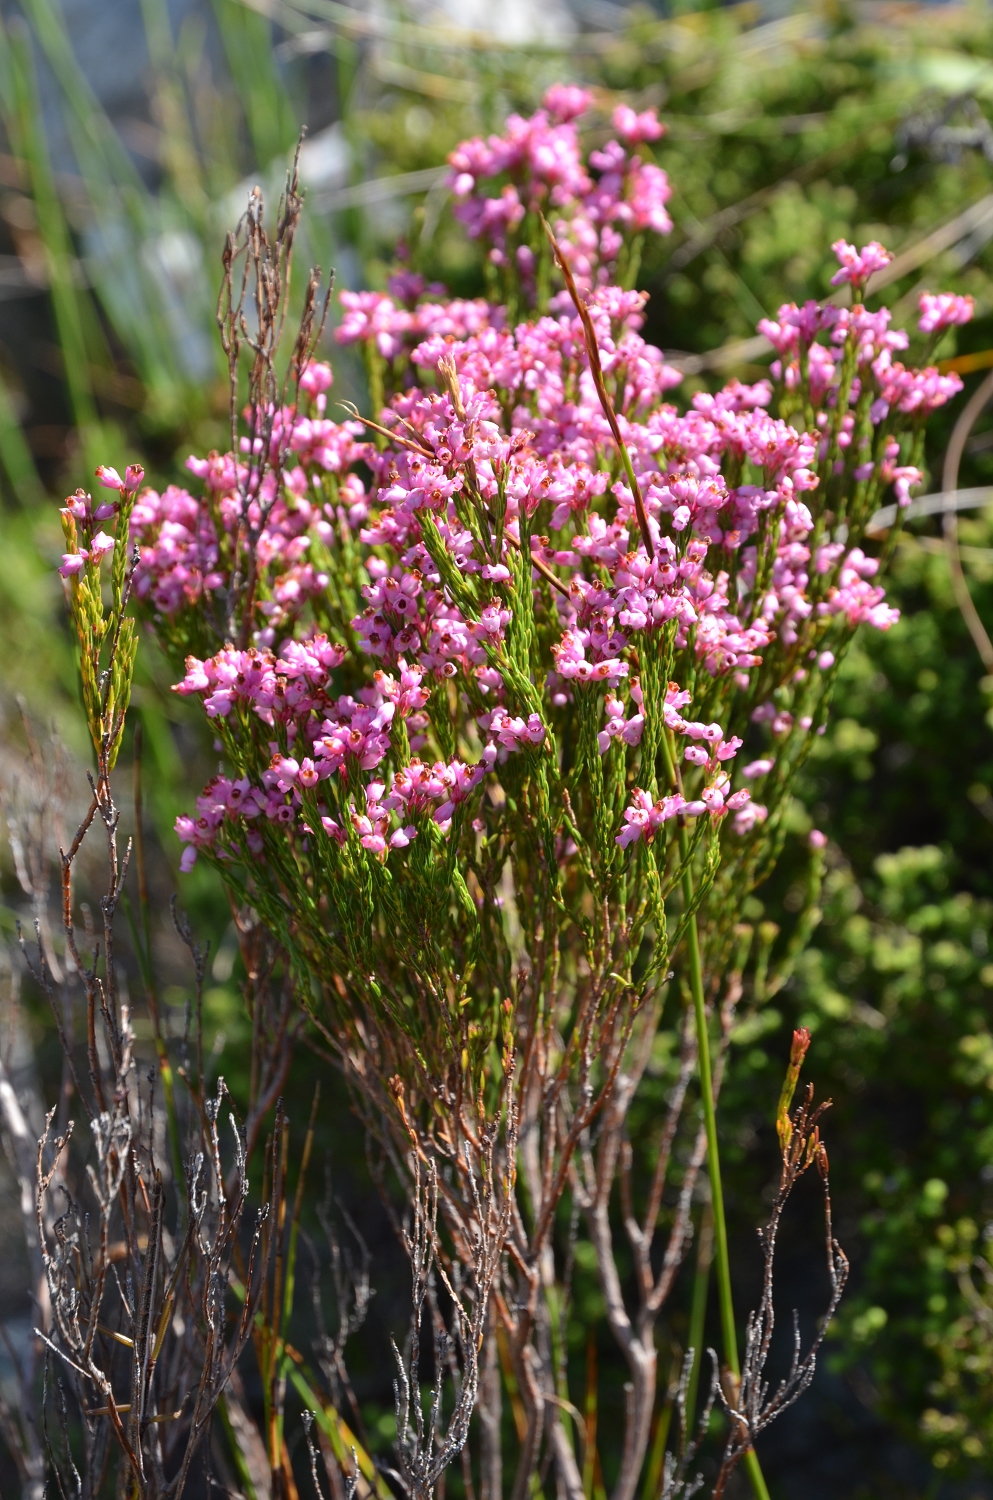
x=698, y=1305
x=721, y=1256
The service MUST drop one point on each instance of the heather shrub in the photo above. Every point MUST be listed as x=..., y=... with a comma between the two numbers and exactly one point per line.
x=512, y=681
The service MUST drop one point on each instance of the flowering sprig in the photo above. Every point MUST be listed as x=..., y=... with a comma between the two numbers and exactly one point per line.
x=858, y=265
x=106, y=635
x=798, y=1051
x=599, y=206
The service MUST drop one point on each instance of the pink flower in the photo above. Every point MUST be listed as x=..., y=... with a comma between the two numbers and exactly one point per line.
x=566, y=101
x=517, y=734
x=903, y=478
x=101, y=545
x=72, y=562
x=648, y=194
x=644, y=818
x=751, y=814
x=78, y=506
x=858, y=265
x=633, y=128
x=373, y=317
x=816, y=839
x=316, y=378
x=111, y=480
x=941, y=310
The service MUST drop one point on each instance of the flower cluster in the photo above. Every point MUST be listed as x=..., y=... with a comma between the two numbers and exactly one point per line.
x=285, y=706
x=599, y=205
x=858, y=265
x=542, y=584
x=80, y=517
x=941, y=310
x=856, y=361
x=189, y=546
x=502, y=184
x=395, y=322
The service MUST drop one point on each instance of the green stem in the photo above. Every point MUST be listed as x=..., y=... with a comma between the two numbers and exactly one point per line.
x=721, y=1257
x=710, y=1123
x=754, y=1471
x=656, y=1458
x=698, y=1307
x=713, y=1160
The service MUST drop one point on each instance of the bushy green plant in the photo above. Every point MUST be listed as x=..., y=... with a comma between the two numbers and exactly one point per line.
x=491, y=860
x=816, y=105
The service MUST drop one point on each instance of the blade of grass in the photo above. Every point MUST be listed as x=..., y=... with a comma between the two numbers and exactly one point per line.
x=127, y=213
x=15, y=455
x=23, y=121
x=179, y=153
x=247, y=39
x=343, y=1440
x=273, y=1332
x=698, y=1306
x=255, y=1483
x=510, y=1381
x=95, y=140
x=656, y=1456
x=291, y=1258
x=291, y=1254
x=590, y=1456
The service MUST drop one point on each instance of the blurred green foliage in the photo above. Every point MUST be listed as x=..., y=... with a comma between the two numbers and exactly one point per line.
x=783, y=136
x=897, y=993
